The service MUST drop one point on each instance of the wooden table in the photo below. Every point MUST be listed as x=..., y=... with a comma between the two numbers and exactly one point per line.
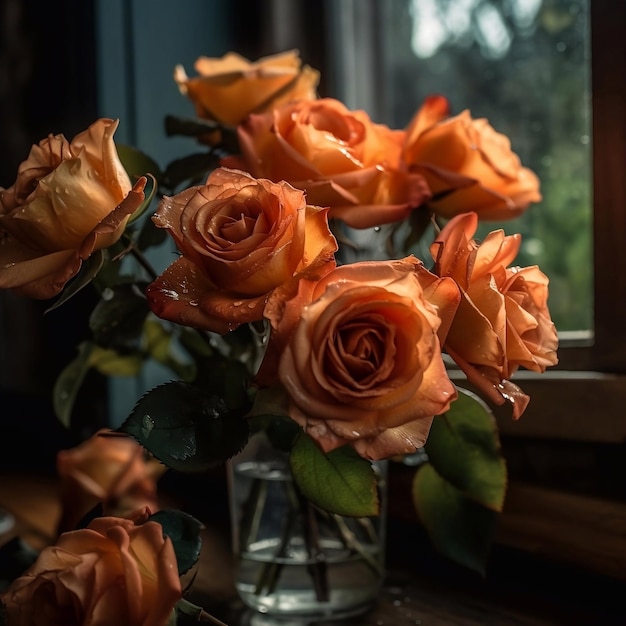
x=421, y=588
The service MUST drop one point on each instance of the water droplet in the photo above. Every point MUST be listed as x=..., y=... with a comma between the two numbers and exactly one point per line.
x=252, y=305
x=107, y=294
x=193, y=303
x=376, y=229
x=170, y=293
x=147, y=425
x=237, y=303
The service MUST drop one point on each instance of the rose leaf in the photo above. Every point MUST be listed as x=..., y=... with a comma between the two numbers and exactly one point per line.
x=192, y=168
x=189, y=127
x=69, y=381
x=112, y=363
x=184, y=531
x=186, y=428
x=150, y=235
x=117, y=319
x=137, y=163
x=87, y=273
x=340, y=481
x=464, y=448
x=459, y=528
x=227, y=378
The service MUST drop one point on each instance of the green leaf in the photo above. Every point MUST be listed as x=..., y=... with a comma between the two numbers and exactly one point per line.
x=464, y=448
x=137, y=163
x=112, y=363
x=68, y=383
x=460, y=490
x=340, y=481
x=184, y=531
x=185, y=428
x=194, y=342
x=150, y=235
x=459, y=528
x=157, y=340
x=87, y=273
x=419, y=222
x=226, y=378
x=193, y=168
x=117, y=320
x=189, y=614
x=189, y=127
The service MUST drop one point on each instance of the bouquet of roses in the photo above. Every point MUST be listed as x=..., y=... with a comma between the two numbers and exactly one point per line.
x=273, y=318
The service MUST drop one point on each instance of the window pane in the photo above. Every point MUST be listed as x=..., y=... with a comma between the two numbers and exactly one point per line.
x=522, y=64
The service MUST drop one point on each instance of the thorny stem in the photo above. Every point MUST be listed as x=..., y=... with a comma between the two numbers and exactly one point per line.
x=139, y=256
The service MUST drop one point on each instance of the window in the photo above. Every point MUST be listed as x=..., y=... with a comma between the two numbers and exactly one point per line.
x=579, y=399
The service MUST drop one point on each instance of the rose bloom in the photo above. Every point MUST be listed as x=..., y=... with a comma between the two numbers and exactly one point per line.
x=503, y=322
x=359, y=356
x=230, y=88
x=468, y=165
x=240, y=238
x=340, y=157
x=115, y=571
x=69, y=200
x=108, y=470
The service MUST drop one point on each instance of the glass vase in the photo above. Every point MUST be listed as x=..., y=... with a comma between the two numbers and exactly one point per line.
x=293, y=560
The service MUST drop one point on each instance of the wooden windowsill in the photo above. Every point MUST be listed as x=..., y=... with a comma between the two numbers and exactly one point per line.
x=521, y=587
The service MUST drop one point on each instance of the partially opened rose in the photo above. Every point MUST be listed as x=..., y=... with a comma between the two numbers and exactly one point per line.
x=229, y=88
x=240, y=239
x=468, y=165
x=69, y=200
x=339, y=157
x=503, y=322
x=107, y=470
x=359, y=356
x=114, y=572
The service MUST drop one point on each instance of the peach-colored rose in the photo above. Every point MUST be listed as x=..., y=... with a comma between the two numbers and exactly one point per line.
x=503, y=322
x=339, y=157
x=240, y=238
x=359, y=356
x=69, y=200
x=468, y=165
x=113, y=572
x=229, y=88
x=110, y=470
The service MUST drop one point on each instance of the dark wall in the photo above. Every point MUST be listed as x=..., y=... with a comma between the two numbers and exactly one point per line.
x=47, y=85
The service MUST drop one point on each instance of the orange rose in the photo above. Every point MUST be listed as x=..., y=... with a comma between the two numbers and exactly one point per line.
x=112, y=572
x=240, y=238
x=230, y=88
x=468, y=165
x=503, y=321
x=359, y=357
x=107, y=470
x=69, y=199
x=339, y=157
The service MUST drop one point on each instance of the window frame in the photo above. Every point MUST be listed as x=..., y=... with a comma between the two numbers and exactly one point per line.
x=581, y=398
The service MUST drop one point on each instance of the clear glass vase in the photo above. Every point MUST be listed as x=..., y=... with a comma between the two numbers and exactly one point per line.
x=294, y=560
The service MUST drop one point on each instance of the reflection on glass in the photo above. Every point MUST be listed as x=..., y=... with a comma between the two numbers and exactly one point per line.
x=522, y=64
